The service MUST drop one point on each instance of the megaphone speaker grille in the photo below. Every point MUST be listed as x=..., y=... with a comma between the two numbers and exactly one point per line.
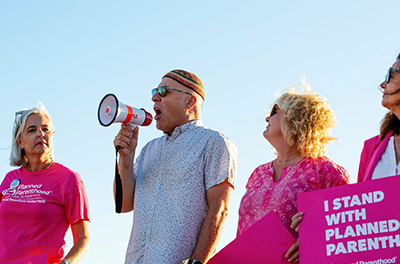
x=108, y=110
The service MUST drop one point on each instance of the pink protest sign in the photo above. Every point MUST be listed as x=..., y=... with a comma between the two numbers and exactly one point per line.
x=267, y=241
x=38, y=259
x=357, y=223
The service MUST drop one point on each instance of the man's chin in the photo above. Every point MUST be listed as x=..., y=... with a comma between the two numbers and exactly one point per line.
x=160, y=127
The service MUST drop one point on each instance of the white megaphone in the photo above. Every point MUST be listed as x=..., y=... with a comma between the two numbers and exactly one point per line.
x=113, y=111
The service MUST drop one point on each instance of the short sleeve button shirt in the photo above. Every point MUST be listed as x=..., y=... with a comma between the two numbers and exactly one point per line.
x=171, y=175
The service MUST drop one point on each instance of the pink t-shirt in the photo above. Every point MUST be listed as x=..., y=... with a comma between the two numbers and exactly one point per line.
x=264, y=195
x=35, y=216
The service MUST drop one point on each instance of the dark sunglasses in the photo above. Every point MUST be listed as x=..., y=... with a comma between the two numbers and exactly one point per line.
x=387, y=79
x=273, y=110
x=163, y=91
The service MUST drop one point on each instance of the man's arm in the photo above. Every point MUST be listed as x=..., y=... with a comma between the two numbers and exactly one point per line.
x=218, y=198
x=127, y=139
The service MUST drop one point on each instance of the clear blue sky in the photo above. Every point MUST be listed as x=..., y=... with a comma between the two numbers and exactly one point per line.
x=69, y=54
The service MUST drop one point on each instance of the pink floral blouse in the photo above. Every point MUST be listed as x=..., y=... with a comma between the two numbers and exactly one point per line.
x=264, y=195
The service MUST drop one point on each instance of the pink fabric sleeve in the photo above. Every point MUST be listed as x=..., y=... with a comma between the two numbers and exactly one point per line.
x=251, y=180
x=77, y=204
x=254, y=178
x=334, y=175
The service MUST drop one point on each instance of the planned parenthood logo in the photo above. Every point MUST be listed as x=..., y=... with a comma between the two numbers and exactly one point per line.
x=378, y=261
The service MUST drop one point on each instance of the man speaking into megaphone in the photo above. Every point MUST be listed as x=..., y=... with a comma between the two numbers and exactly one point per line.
x=181, y=184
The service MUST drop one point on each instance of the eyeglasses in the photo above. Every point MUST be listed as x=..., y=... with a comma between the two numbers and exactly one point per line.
x=273, y=111
x=163, y=91
x=387, y=79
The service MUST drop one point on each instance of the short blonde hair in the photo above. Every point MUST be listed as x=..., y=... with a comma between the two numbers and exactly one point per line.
x=307, y=121
x=18, y=156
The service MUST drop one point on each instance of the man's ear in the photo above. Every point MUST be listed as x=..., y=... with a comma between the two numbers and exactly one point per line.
x=192, y=102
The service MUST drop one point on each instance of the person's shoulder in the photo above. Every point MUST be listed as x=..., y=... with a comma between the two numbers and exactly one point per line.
x=12, y=174
x=325, y=162
x=200, y=129
x=321, y=160
x=331, y=173
x=219, y=138
x=265, y=166
x=153, y=141
x=215, y=134
x=372, y=141
x=260, y=171
x=14, y=171
x=66, y=172
x=62, y=168
x=370, y=145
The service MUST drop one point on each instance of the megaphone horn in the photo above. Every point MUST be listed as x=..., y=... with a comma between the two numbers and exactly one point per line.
x=113, y=111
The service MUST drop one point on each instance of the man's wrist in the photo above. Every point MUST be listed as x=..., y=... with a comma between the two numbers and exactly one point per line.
x=191, y=261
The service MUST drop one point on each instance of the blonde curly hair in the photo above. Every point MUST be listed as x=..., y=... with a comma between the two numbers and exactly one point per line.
x=307, y=121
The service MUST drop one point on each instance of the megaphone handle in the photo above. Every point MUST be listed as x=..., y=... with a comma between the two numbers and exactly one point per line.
x=118, y=184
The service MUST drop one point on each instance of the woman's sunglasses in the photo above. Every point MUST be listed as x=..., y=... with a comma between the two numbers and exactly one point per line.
x=163, y=91
x=273, y=110
x=387, y=79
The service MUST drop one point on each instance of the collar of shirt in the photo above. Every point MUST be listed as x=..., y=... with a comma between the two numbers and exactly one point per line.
x=183, y=128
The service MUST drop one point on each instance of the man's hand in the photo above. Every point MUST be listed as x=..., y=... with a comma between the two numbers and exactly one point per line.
x=127, y=139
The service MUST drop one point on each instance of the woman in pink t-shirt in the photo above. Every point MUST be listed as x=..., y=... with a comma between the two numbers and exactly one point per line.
x=298, y=128
x=42, y=198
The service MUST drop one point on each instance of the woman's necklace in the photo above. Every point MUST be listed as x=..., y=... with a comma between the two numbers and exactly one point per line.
x=286, y=159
